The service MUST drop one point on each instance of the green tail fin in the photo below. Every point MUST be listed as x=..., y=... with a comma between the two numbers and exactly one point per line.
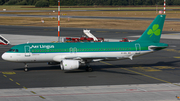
x=153, y=32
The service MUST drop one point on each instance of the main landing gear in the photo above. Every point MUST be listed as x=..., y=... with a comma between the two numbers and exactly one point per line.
x=25, y=67
x=88, y=68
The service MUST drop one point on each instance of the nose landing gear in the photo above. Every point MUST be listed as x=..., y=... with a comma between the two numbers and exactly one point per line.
x=25, y=67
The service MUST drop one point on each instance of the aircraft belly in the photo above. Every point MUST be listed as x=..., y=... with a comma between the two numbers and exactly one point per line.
x=35, y=58
x=26, y=58
x=105, y=54
x=112, y=55
x=44, y=57
x=143, y=52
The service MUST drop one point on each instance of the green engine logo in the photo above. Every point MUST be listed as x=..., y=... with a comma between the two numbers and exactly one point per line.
x=154, y=30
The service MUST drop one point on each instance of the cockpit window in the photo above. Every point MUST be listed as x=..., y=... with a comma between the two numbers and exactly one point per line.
x=13, y=50
x=10, y=50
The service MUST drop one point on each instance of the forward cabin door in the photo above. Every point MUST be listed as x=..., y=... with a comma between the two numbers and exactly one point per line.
x=138, y=48
x=27, y=50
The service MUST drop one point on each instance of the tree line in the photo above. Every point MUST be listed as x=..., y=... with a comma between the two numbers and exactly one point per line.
x=91, y=2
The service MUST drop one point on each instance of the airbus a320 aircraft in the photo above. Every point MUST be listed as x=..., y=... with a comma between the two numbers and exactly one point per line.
x=71, y=55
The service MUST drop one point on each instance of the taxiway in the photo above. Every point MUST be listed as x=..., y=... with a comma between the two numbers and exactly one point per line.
x=150, y=77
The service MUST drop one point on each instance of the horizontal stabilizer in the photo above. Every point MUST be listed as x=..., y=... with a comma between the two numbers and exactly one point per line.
x=155, y=48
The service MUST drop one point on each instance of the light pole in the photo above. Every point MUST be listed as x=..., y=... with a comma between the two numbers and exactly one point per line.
x=58, y=20
x=164, y=6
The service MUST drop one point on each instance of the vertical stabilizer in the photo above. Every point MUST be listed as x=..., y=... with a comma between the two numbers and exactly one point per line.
x=153, y=32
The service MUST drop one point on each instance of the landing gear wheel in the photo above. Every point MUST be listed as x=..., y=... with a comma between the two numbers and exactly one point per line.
x=89, y=69
x=25, y=67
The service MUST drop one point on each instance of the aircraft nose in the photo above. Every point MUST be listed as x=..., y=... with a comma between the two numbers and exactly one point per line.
x=5, y=56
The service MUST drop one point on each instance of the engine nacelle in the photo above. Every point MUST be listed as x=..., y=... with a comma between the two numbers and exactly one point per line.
x=69, y=64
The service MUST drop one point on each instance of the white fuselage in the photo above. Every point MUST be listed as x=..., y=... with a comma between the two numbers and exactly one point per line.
x=50, y=57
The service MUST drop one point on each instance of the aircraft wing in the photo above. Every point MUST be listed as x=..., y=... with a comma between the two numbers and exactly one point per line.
x=59, y=58
x=95, y=59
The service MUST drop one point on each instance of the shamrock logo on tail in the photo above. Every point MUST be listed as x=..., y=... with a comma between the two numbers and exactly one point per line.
x=154, y=30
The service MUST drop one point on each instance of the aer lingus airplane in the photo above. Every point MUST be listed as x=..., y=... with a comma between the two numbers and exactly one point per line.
x=71, y=55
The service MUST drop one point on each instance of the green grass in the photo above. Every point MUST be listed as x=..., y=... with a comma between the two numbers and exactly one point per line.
x=23, y=7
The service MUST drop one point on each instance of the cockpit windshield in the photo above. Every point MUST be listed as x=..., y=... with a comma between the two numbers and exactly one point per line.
x=13, y=50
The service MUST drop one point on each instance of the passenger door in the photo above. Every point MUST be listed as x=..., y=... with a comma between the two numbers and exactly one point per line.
x=138, y=48
x=27, y=50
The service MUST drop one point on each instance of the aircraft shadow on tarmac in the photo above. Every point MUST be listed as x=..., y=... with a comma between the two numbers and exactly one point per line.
x=40, y=68
x=80, y=70
x=161, y=63
x=104, y=67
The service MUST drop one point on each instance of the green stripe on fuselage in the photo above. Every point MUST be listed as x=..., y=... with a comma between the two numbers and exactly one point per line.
x=84, y=47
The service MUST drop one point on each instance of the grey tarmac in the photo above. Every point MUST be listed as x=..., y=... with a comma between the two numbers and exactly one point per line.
x=146, y=78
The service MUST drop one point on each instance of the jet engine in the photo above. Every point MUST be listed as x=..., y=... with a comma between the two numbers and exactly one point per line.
x=69, y=64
